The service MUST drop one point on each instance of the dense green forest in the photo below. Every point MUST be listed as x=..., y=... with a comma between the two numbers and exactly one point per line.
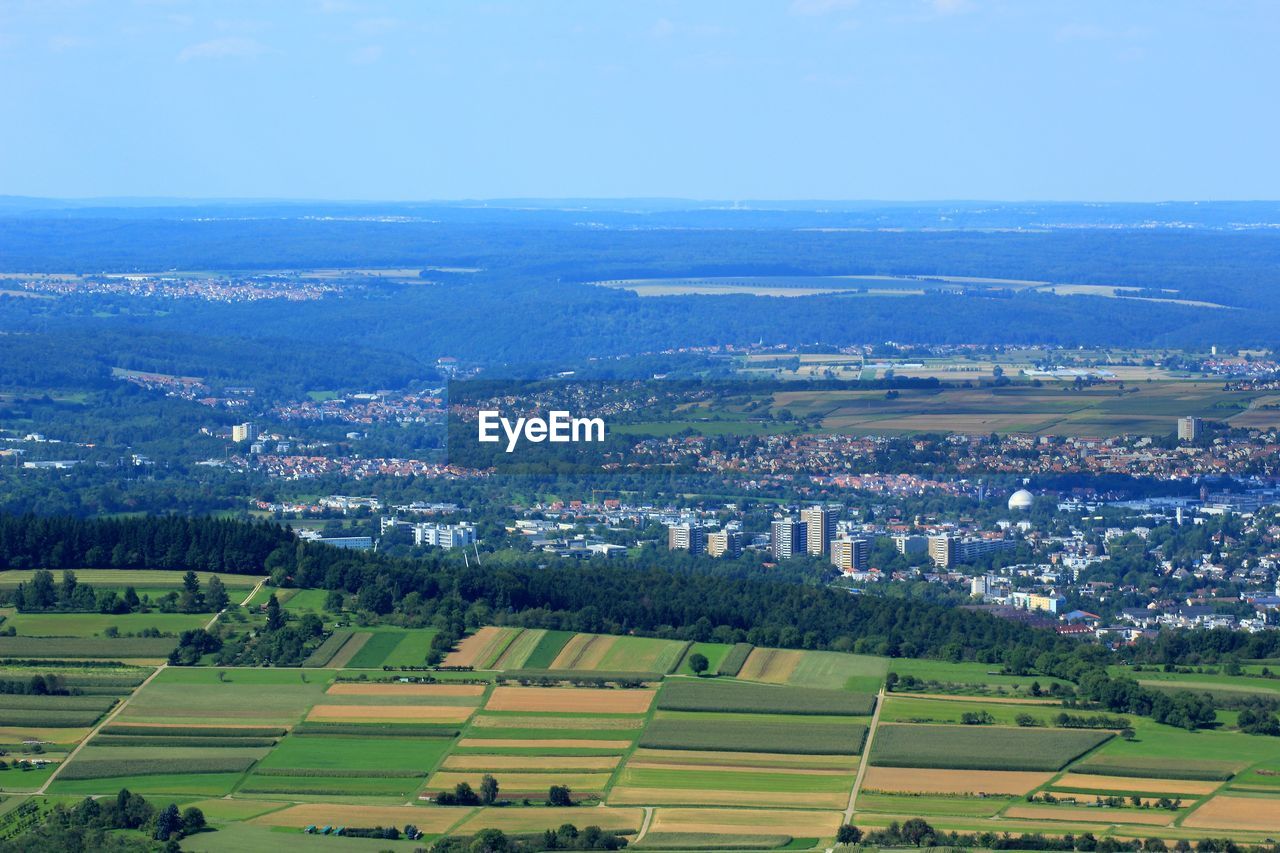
x=528, y=301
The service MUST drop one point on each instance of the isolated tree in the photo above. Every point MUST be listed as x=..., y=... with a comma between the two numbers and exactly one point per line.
x=916, y=831
x=190, y=601
x=698, y=663
x=216, y=595
x=66, y=593
x=559, y=795
x=168, y=822
x=848, y=834
x=275, y=619
x=192, y=820
x=488, y=789
x=40, y=595
x=333, y=601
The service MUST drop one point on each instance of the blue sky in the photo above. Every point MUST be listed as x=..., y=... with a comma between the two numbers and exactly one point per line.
x=841, y=99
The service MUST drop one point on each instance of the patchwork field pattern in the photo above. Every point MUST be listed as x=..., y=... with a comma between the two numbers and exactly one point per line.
x=766, y=760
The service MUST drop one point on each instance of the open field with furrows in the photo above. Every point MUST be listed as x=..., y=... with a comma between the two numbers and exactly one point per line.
x=734, y=779
x=762, y=699
x=1237, y=812
x=518, y=651
x=797, y=823
x=495, y=763
x=603, y=653
x=558, y=722
x=829, y=670
x=916, y=780
x=1089, y=814
x=389, y=713
x=980, y=747
x=482, y=649
x=336, y=814
x=574, y=700
x=135, y=649
x=1088, y=782
x=715, y=732
x=242, y=697
x=722, y=762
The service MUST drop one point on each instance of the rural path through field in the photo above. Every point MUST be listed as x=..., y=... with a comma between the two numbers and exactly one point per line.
x=865, y=759
x=105, y=722
x=644, y=825
x=244, y=603
x=115, y=712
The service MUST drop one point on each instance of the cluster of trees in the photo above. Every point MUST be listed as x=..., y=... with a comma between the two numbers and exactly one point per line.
x=93, y=825
x=464, y=795
x=567, y=837
x=1258, y=720
x=42, y=594
x=153, y=542
x=917, y=832
x=49, y=684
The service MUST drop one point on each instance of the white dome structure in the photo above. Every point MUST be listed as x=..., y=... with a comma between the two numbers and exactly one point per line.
x=1021, y=499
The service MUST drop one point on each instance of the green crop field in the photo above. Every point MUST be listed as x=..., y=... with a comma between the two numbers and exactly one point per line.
x=375, y=650
x=93, y=624
x=718, y=733
x=641, y=654
x=357, y=753
x=760, y=698
x=86, y=648
x=981, y=747
x=839, y=671
x=307, y=601
x=548, y=647
x=967, y=677
x=713, y=652
x=733, y=660
x=905, y=708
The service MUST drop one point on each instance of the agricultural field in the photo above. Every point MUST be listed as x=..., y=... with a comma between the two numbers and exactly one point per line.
x=828, y=670
x=981, y=747
x=348, y=648
x=604, y=653
x=1052, y=407
x=95, y=624
x=687, y=695
x=766, y=760
x=142, y=580
x=975, y=679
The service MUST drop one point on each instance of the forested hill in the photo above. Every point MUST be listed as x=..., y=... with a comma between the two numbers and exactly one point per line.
x=597, y=596
x=516, y=286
